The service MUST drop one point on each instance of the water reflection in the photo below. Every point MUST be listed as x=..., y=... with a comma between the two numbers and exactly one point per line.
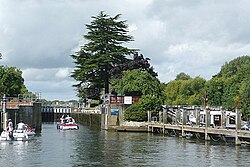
x=93, y=147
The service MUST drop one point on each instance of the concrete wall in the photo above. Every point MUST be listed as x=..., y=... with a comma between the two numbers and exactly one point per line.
x=29, y=114
x=87, y=119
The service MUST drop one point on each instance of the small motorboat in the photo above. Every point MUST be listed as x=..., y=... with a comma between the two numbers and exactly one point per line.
x=67, y=123
x=16, y=135
x=30, y=131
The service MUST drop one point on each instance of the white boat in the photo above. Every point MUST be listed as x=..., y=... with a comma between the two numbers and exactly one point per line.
x=16, y=135
x=67, y=123
x=30, y=132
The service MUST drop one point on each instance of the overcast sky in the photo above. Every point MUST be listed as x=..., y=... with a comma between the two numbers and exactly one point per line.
x=192, y=36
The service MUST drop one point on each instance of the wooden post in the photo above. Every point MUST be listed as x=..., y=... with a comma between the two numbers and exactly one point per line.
x=177, y=117
x=149, y=116
x=106, y=117
x=197, y=115
x=160, y=117
x=149, y=121
x=207, y=112
x=237, y=126
x=223, y=118
x=184, y=122
x=164, y=115
x=164, y=120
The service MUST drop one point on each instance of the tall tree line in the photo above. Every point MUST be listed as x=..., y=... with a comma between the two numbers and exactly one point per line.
x=230, y=88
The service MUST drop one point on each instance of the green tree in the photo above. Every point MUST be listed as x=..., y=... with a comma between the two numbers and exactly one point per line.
x=136, y=63
x=185, y=91
x=138, y=112
x=103, y=52
x=231, y=93
x=11, y=81
x=215, y=91
x=182, y=76
x=244, y=93
x=137, y=82
x=171, y=91
x=230, y=87
x=233, y=67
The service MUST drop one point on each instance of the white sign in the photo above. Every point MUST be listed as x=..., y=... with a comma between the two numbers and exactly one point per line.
x=127, y=99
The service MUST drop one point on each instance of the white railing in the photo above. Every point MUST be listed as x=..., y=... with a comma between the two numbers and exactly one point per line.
x=91, y=111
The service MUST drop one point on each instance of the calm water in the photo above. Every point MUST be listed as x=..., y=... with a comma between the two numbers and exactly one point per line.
x=92, y=147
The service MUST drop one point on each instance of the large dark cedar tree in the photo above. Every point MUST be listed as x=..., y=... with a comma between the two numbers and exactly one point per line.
x=138, y=62
x=101, y=53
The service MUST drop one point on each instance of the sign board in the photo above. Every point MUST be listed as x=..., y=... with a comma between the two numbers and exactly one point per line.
x=114, y=111
x=127, y=99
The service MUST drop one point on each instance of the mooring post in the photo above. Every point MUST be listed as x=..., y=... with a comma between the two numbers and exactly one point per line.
x=197, y=115
x=237, y=126
x=223, y=118
x=160, y=117
x=164, y=119
x=149, y=121
x=107, y=113
x=177, y=117
x=207, y=112
x=164, y=115
x=184, y=122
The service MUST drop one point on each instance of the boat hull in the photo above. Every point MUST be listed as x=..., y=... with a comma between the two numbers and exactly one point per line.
x=16, y=135
x=66, y=126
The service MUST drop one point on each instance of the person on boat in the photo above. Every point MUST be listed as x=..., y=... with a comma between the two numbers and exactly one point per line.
x=10, y=125
x=63, y=118
x=10, y=128
x=21, y=126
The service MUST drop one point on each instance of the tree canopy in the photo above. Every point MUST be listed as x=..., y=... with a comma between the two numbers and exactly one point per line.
x=137, y=82
x=138, y=62
x=11, y=81
x=182, y=76
x=230, y=88
x=103, y=52
x=185, y=91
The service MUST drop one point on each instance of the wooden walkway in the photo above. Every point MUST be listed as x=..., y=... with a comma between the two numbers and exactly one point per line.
x=240, y=136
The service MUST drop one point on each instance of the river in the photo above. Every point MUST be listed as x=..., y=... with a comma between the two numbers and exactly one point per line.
x=89, y=146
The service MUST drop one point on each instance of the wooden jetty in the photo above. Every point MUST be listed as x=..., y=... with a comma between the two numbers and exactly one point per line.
x=240, y=136
x=205, y=131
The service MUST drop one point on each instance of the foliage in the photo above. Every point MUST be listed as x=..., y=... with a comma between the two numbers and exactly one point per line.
x=182, y=76
x=185, y=91
x=214, y=91
x=244, y=93
x=234, y=67
x=103, y=52
x=135, y=113
x=150, y=103
x=136, y=63
x=11, y=81
x=139, y=111
x=230, y=87
x=136, y=83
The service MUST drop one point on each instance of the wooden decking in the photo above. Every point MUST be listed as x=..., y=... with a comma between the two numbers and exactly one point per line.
x=241, y=136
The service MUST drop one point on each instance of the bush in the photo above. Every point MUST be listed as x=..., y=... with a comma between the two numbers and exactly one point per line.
x=135, y=113
x=139, y=112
